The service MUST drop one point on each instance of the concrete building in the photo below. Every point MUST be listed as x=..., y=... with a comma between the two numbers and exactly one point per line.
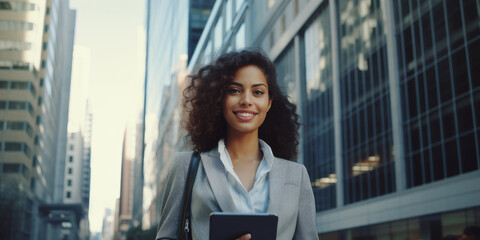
x=36, y=45
x=388, y=96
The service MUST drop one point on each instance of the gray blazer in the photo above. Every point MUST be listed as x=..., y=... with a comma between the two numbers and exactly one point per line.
x=291, y=197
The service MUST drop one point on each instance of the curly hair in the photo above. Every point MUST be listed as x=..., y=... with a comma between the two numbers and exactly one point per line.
x=204, y=95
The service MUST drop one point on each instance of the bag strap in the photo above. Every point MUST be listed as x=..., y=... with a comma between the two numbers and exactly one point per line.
x=184, y=224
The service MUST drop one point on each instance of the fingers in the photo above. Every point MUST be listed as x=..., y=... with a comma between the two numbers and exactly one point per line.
x=247, y=236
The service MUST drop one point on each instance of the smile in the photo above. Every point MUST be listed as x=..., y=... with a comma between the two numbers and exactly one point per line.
x=245, y=116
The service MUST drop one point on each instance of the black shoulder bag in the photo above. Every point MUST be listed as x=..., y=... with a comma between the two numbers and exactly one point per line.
x=184, y=232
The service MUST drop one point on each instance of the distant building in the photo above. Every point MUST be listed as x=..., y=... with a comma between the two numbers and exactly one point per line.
x=76, y=186
x=107, y=225
x=36, y=46
x=388, y=96
x=130, y=158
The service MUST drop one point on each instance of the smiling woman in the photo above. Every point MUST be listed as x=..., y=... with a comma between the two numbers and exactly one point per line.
x=246, y=131
x=246, y=102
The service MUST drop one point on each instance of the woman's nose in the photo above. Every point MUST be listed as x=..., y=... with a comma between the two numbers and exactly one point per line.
x=246, y=99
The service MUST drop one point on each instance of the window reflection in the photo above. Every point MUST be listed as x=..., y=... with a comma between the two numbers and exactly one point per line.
x=365, y=97
x=318, y=137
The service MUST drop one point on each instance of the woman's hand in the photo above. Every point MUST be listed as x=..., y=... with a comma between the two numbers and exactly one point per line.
x=247, y=236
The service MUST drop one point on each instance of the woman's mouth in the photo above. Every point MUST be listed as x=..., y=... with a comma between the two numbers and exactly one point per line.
x=245, y=116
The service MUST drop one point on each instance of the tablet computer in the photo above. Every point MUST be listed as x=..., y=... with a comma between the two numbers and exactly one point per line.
x=228, y=226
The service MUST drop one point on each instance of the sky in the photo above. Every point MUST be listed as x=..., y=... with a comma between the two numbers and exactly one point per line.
x=112, y=31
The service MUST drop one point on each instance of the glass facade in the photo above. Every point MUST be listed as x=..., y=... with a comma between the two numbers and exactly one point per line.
x=286, y=68
x=367, y=144
x=438, y=43
x=183, y=22
x=435, y=226
x=317, y=102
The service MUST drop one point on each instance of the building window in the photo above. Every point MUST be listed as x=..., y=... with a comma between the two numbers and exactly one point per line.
x=45, y=45
x=70, y=170
x=20, y=126
x=45, y=29
x=41, y=82
x=70, y=159
x=15, y=26
x=240, y=37
x=218, y=36
x=44, y=63
x=228, y=14
x=272, y=38
x=71, y=147
x=11, y=168
x=318, y=144
x=367, y=142
x=69, y=182
x=69, y=194
x=10, y=45
x=284, y=24
x=18, y=147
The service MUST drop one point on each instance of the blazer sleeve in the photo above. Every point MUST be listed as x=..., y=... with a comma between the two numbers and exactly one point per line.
x=306, y=226
x=172, y=197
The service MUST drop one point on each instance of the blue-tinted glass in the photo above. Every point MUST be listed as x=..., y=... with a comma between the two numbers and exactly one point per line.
x=464, y=114
x=451, y=158
x=448, y=121
x=431, y=81
x=476, y=103
x=454, y=17
x=468, y=153
x=435, y=131
x=427, y=165
x=444, y=80
x=471, y=16
x=438, y=163
x=460, y=72
x=427, y=37
x=439, y=28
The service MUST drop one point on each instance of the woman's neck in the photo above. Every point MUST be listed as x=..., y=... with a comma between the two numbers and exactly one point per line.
x=243, y=147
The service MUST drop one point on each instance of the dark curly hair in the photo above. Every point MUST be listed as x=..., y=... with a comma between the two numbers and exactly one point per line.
x=204, y=95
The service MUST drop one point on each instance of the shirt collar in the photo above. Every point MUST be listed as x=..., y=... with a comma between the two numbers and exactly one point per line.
x=227, y=162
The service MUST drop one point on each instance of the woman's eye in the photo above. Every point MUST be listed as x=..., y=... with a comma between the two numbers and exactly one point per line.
x=233, y=90
x=258, y=92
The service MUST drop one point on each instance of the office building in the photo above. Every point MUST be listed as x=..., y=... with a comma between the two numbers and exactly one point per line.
x=388, y=96
x=182, y=21
x=36, y=45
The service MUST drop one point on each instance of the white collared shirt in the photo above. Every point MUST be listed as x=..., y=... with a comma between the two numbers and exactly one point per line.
x=256, y=200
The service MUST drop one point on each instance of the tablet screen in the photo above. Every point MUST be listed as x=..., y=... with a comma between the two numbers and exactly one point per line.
x=228, y=226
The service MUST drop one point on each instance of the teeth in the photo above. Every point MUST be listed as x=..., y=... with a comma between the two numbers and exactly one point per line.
x=243, y=114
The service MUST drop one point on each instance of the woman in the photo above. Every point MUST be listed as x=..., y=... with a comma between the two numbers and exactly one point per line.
x=245, y=129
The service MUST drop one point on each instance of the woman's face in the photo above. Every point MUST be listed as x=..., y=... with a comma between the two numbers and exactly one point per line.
x=246, y=101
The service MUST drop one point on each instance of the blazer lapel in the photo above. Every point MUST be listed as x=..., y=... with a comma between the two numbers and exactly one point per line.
x=218, y=180
x=276, y=180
